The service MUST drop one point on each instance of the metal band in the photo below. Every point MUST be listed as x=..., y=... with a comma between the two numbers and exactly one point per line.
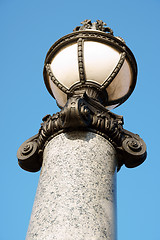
x=115, y=71
x=81, y=61
x=54, y=79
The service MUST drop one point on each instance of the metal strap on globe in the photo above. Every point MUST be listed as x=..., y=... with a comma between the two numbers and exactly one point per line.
x=54, y=80
x=115, y=71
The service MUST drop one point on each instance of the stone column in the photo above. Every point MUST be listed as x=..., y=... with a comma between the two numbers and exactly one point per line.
x=76, y=194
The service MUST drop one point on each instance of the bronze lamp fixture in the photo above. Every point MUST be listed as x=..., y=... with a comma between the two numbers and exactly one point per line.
x=91, y=59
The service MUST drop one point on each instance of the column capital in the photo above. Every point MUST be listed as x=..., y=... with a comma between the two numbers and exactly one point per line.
x=83, y=113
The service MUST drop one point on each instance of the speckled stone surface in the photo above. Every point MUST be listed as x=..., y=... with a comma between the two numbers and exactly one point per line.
x=75, y=198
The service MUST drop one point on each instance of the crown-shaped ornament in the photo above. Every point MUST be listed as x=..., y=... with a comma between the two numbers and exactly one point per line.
x=98, y=25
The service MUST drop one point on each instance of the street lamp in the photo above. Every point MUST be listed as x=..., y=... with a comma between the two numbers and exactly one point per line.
x=88, y=72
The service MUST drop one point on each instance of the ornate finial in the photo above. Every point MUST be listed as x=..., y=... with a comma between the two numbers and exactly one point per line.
x=98, y=25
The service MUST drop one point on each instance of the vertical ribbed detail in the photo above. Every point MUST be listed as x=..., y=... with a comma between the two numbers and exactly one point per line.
x=80, y=47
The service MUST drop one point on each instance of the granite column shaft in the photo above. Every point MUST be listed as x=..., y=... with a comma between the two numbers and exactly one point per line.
x=76, y=194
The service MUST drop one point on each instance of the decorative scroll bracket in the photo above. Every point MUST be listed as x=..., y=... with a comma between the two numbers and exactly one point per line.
x=85, y=114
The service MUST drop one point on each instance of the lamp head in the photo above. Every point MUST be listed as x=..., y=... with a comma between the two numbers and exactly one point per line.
x=91, y=60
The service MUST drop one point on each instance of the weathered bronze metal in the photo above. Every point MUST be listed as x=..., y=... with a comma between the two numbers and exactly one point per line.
x=85, y=114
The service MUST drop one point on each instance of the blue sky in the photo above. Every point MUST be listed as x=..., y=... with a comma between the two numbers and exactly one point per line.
x=28, y=29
